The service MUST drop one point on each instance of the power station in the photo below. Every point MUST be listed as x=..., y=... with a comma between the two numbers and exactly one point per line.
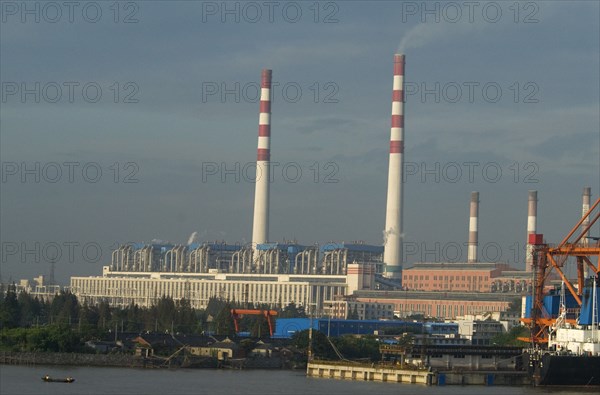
x=322, y=275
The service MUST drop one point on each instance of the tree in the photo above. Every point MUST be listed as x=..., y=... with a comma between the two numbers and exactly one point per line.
x=510, y=338
x=9, y=309
x=165, y=313
x=321, y=348
x=29, y=309
x=293, y=311
x=354, y=314
x=186, y=319
x=260, y=327
x=353, y=347
x=88, y=319
x=224, y=322
x=64, y=308
x=133, y=318
x=104, y=314
x=215, y=305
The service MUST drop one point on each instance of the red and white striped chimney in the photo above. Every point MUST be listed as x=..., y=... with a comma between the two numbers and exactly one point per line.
x=260, y=231
x=473, y=228
x=531, y=228
x=392, y=255
x=585, y=207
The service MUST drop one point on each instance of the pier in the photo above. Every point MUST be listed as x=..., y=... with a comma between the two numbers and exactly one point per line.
x=347, y=371
x=392, y=374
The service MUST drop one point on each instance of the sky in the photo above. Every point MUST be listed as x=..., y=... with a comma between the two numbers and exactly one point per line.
x=136, y=121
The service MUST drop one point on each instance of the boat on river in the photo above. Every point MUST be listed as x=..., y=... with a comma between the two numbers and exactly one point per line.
x=49, y=379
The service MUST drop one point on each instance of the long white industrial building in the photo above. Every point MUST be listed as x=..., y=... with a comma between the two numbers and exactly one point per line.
x=145, y=288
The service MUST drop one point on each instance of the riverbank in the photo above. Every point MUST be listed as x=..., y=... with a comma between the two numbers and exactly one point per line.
x=132, y=361
x=72, y=359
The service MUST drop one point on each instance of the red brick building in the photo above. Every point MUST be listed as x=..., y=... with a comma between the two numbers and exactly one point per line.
x=445, y=305
x=454, y=277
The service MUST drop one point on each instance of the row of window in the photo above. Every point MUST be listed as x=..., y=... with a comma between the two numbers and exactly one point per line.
x=201, y=290
x=446, y=310
x=448, y=278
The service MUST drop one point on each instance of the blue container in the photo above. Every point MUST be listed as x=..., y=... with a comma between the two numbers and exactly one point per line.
x=441, y=379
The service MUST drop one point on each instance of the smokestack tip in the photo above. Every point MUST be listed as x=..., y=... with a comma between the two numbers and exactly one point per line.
x=587, y=191
x=532, y=194
x=475, y=196
x=399, y=64
x=266, y=78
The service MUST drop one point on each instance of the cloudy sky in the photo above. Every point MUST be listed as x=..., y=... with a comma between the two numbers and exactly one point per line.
x=135, y=121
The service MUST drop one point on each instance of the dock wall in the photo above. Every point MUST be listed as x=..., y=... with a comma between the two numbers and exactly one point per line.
x=366, y=373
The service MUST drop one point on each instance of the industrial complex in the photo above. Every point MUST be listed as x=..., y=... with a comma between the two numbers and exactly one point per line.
x=330, y=279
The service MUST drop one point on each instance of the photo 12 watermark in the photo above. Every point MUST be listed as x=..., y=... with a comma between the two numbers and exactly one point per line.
x=527, y=92
x=518, y=12
x=69, y=92
x=457, y=252
x=52, y=251
x=471, y=172
x=286, y=172
x=326, y=12
x=69, y=12
x=286, y=92
x=69, y=172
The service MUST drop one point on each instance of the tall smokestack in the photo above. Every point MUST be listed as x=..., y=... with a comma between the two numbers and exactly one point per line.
x=531, y=228
x=473, y=229
x=392, y=255
x=585, y=207
x=260, y=231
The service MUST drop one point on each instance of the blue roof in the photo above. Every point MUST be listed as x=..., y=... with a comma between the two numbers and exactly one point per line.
x=290, y=248
x=224, y=247
x=161, y=247
x=352, y=247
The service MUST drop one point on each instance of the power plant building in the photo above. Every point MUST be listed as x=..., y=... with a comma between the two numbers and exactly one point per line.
x=283, y=274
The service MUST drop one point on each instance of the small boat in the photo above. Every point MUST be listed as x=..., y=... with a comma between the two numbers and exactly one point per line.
x=49, y=379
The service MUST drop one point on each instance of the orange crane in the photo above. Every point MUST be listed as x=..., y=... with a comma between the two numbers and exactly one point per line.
x=236, y=313
x=548, y=258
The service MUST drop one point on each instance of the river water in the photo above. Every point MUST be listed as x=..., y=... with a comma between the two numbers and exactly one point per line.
x=126, y=381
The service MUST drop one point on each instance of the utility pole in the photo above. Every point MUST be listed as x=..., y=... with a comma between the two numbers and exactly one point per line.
x=310, y=334
x=329, y=321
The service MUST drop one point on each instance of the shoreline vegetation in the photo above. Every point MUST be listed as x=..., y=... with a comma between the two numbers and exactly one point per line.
x=70, y=359
x=133, y=361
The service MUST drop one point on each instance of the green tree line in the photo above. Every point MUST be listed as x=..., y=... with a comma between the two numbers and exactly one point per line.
x=62, y=324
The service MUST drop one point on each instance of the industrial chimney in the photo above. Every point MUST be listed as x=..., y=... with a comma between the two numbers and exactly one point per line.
x=473, y=223
x=531, y=228
x=392, y=255
x=260, y=231
x=587, y=195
